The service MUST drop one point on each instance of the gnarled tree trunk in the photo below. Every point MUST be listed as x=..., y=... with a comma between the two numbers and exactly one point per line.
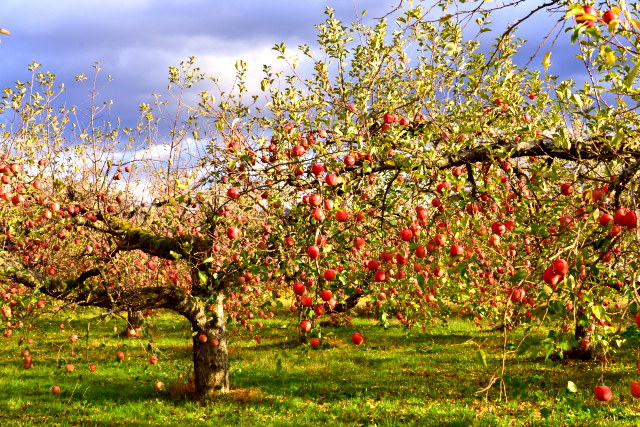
x=210, y=358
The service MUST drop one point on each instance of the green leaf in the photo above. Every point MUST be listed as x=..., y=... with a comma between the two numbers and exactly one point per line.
x=481, y=358
x=628, y=80
x=598, y=311
x=202, y=276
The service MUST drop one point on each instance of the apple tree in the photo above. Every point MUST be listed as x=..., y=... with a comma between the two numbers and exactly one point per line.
x=403, y=167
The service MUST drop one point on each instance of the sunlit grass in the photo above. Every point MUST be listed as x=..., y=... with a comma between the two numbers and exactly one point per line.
x=395, y=378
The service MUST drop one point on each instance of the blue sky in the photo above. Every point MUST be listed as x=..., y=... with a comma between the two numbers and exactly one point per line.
x=136, y=41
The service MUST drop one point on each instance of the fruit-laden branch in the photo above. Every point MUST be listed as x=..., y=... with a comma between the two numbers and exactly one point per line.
x=345, y=306
x=17, y=272
x=485, y=153
x=77, y=291
x=130, y=237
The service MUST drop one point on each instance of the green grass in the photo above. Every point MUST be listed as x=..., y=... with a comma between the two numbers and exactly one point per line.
x=395, y=378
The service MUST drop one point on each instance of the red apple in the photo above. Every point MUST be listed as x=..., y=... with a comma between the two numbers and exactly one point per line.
x=498, y=228
x=299, y=288
x=326, y=295
x=159, y=385
x=602, y=393
x=560, y=266
x=203, y=338
x=305, y=325
x=608, y=17
x=456, y=250
x=406, y=234
x=329, y=274
x=233, y=233
x=93, y=367
x=331, y=179
x=314, y=342
x=120, y=355
x=233, y=193
x=635, y=389
x=357, y=338
x=69, y=367
x=55, y=389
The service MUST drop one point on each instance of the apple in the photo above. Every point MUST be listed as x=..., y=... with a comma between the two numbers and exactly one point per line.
x=214, y=342
x=314, y=342
x=631, y=219
x=326, y=295
x=233, y=233
x=456, y=250
x=305, y=325
x=318, y=214
x=299, y=288
x=589, y=18
x=619, y=215
x=638, y=323
x=203, y=338
x=313, y=252
x=329, y=275
x=159, y=385
x=380, y=276
x=560, y=266
x=69, y=367
x=297, y=151
x=342, y=216
x=306, y=301
x=233, y=193
x=120, y=355
x=390, y=118
x=55, y=389
x=635, y=389
x=93, y=367
x=566, y=189
x=605, y=219
x=406, y=234
x=608, y=17
x=317, y=169
x=602, y=393
x=550, y=277
x=357, y=338
x=498, y=228
x=73, y=338
x=331, y=179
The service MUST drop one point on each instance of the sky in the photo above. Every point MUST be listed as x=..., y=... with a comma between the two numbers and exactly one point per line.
x=135, y=41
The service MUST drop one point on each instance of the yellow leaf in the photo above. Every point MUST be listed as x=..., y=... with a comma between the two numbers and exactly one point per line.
x=610, y=57
x=445, y=18
x=5, y=32
x=546, y=61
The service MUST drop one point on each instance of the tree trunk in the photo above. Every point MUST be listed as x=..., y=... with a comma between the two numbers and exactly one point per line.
x=134, y=321
x=210, y=358
x=582, y=335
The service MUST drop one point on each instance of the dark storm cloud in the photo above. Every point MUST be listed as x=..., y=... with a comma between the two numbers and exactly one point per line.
x=136, y=40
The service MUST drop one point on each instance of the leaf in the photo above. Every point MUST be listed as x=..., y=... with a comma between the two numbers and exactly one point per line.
x=481, y=357
x=445, y=18
x=202, y=276
x=546, y=61
x=5, y=32
x=628, y=81
x=572, y=387
x=598, y=311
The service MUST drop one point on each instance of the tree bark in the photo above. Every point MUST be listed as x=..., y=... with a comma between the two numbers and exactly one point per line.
x=134, y=321
x=211, y=362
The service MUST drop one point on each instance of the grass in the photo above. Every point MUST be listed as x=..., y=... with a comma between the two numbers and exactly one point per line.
x=395, y=378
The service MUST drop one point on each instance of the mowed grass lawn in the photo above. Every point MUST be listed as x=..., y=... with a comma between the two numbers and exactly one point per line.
x=397, y=377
